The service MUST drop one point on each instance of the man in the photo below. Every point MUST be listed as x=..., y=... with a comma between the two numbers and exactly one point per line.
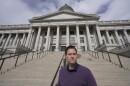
x=74, y=74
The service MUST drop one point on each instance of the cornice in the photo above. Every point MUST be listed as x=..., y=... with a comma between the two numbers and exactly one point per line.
x=15, y=26
x=114, y=23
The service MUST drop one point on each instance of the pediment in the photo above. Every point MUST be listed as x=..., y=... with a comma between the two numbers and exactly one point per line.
x=63, y=16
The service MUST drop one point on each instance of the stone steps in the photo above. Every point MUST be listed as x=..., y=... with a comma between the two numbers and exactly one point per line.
x=106, y=74
x=38, y=72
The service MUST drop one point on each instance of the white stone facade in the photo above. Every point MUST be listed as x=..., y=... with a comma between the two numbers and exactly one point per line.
x=65, y=27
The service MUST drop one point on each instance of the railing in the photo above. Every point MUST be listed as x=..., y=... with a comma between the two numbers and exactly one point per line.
x=62, y=60
x=17, y=46
x=116, y=59
x=99, y=46
x=121, y=47
x=17, y=56
x=19, y=25
x=116, y=21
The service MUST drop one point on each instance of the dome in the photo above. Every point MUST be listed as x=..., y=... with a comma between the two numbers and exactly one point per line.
x=66, y=8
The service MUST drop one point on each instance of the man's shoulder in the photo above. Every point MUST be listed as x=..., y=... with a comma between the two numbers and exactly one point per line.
x=83, y=68
x=63, y=69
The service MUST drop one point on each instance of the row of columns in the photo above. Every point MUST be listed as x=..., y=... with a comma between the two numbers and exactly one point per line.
x=7, y=42
x=57, y=37
x=30, y=37
x=117, y=36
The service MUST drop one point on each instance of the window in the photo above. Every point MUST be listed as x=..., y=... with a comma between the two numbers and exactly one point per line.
x=63, y=40
x=45, y=33
x=53, y=48
x=54, y=32
x=72, y=39
x=92, y=39
x=71, y=32
x=1, y=43
x=83, y=48
x=110, y=34
x=45, y=40
x=54, y=40
x=81, y=32
x=101, y=34
x=63, y=32
x=121, y=41
x=103, y=41
x=112, y=41
x=81, y=39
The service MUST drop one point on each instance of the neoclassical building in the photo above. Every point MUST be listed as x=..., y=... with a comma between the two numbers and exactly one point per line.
x=65, y=27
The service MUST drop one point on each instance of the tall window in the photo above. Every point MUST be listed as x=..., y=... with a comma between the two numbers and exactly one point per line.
x=71, y=32
x=81, y=32
x=72, y=39
x=81, y=39
x=112, y=41
x=54, y=33
x=54, y=40
x=63, y=40
x=63, y=33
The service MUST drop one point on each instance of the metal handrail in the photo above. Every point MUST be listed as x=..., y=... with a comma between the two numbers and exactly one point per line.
x=17, y=55
x=110, y=60
x=53, y=80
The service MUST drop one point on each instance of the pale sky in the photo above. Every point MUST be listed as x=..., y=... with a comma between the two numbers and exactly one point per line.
x=19, y=11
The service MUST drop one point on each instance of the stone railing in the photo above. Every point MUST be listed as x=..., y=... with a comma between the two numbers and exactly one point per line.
x=19, y=25
x=115, y=21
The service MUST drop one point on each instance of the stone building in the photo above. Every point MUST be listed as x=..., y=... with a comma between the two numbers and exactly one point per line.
x=65, y=27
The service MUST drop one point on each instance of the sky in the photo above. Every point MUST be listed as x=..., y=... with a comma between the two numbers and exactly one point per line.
x=19, y=11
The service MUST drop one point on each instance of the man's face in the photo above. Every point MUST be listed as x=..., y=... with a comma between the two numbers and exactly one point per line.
x=71, y=56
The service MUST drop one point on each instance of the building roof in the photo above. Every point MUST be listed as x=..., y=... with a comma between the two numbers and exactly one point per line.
x=64, y=10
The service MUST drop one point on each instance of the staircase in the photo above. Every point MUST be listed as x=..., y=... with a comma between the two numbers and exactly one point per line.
x=40, y=72
x=105, y=73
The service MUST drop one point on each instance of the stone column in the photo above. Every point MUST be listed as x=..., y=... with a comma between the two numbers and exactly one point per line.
x=37, y=39
x=23, y=39
x=88, y=37
x=78, y=38
x=14, y=42
x=57, y=38
x=99, y=35
x=67, y=36
x=43, y=41
x=30, y=41
x=47, y=38
x=1, y=38
x=8, y=39
x=117, y=36
x=109, y=41
x=28, y=38
x=127, y=37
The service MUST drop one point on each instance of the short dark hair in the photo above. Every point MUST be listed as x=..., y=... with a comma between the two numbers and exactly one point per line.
x=70, y=47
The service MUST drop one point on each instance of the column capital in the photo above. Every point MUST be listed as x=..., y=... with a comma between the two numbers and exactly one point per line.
x=39, y=26
x=58, y=26
x=125, y=29
x=77, y=25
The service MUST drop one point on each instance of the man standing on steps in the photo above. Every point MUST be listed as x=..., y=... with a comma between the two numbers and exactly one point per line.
x=73, y=74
